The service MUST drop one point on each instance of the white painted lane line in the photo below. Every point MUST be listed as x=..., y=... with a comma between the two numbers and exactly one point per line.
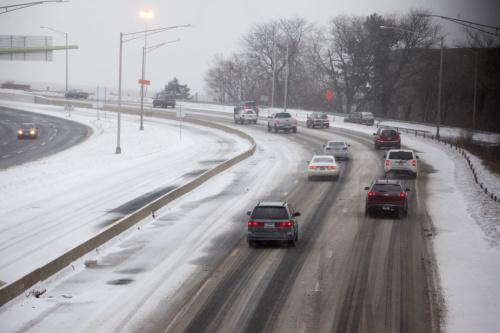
x=5, y=156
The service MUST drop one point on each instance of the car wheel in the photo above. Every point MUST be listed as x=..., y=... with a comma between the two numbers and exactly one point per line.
x=405, y=212
x=377, y=147
x=327, y=126
x=291, y=243
x=294, y=130
x=268, y=128
x=414, y=175
x=398, y=147
x=275, y=129
x=400, y=213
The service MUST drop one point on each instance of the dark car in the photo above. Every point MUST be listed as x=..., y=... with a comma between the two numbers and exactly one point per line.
x=273, y=221
x=27, y=130
x=246, y=105
x=386, y=137
x=386, y=196
x=365, y=118
x=317, y=119
x=163, y=100
x=76, y=94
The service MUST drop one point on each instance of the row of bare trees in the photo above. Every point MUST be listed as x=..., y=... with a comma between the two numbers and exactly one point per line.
x=389, y=71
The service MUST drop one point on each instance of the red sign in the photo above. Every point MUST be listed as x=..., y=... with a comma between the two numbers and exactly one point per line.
x=329, y=95
x=144, y=82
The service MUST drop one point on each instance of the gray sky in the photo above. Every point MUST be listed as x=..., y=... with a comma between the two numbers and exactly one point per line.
x=218, y=27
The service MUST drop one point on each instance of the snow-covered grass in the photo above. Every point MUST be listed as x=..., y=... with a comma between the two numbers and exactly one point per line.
x=53, y=204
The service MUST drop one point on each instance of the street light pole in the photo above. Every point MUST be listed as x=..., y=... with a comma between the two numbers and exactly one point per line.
x=274, y=79
x=286, y=78
x=133, y=36
x=118, y=148
x=438, y=120
x=66, y=38
x=141, y=127
x=475, y=92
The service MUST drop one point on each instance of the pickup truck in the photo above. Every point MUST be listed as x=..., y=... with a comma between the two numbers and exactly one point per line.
x=281, y=121
x=245, y=116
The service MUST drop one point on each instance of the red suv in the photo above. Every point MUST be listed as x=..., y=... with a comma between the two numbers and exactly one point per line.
x=386, y=195
x=387, y=137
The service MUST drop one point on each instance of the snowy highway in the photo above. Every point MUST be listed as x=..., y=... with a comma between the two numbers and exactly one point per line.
x=189, y=268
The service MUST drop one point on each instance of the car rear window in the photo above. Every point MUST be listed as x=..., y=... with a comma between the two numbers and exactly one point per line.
x=269, y=213
x=323, y=116
x=386, y=188
x=322, y=160
x=335, y=144
x=283, y=115
x=389, y=133
x=249, y=112
x=400, y=155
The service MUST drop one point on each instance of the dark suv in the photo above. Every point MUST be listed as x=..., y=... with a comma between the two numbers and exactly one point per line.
x=76, y=94
x=386, y=137
x=317, y=119
x=163, y=100
x=273, y=221
x=386, y=195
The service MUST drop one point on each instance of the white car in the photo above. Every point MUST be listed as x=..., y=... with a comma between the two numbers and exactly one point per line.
x=338, y=149
x=322, y=166
x=246, y=116
x=401, y=161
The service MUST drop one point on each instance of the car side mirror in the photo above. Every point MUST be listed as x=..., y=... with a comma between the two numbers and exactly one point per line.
x=296, y=214
x=249, y=213
x=407, y=190
x=367, y=188
x=418, y=157
x=374, y=133
x=385, y=156
x=348, y=145
x=324, y=146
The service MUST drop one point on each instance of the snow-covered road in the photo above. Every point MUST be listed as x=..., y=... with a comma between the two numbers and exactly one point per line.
x=53, y=204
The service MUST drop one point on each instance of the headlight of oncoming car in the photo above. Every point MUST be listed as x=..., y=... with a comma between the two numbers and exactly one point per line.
x=19, y=132
x=32, y=132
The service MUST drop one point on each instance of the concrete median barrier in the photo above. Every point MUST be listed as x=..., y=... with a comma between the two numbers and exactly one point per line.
x=11, y=290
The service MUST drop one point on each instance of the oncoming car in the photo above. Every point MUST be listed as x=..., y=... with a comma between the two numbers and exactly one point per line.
x=338, y=149
x=27, y=130
x=272, y=221
x=322, y=166
x=386, y=195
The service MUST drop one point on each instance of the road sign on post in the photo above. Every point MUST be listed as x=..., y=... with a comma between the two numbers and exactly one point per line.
x=144, y=82
x=329, y=95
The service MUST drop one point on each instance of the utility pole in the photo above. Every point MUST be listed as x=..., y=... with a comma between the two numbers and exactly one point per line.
x=440, y=85
x=274, y=73
x=475, y=92
x=286, y=77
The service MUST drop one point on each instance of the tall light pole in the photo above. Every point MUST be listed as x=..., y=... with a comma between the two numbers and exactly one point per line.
x=132, y=36
x=274, y=73
x=146, y=15
x=66, y=38
x=146, y=50
x=438, y=117
x=286, y=77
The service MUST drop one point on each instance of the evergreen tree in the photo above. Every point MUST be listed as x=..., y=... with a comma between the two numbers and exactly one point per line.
x=177, y=90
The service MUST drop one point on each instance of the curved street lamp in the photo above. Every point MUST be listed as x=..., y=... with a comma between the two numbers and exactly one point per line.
x=65, y=34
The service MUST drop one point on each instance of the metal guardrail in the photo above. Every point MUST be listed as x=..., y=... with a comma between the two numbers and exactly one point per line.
x=13, y=289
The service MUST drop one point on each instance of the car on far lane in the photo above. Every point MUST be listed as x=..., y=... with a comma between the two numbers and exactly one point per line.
x=272, y=221
x=386, y=196
x=322, y=166
x=317, y=119
x=338, y=149
x=27, y=130
x=75, y=93
x=386, y=137
x=245, y=116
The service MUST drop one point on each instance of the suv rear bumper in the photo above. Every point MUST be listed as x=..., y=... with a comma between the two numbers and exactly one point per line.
x=271, y=236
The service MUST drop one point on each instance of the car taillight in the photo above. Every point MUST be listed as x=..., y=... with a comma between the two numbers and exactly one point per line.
x=331, y=167
x=371, y=194
x=254, y=224
x=402, y=195
x=312, y=167
x=414, y=163
x=285, y=224
x=387, y=162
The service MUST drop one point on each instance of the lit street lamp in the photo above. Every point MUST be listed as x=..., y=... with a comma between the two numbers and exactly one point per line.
x=66, y=38
x=438, y=118
x=132, y=36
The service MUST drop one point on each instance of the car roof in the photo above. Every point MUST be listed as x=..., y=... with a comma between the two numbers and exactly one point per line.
x=272, y=203
x=387, y=182
x=28, y=124
x=249, y=110
x=335, y=141
x=405, y=150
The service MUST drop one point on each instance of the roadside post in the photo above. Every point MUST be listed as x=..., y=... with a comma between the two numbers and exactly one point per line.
x=180, y=115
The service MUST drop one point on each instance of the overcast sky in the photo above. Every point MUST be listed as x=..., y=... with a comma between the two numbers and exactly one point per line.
x=218, y=27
